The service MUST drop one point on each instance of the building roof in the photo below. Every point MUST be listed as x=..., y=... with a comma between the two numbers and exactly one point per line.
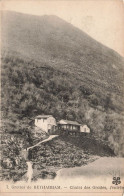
x=69, y=122
x=43, y=116
x=84, y=125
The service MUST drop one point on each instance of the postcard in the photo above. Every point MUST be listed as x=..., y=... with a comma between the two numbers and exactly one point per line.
x=62, y=92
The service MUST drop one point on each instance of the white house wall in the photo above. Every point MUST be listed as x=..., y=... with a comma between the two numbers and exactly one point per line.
x=84, y=129
x=42, y=123
x=51, y=121
x=45, y=124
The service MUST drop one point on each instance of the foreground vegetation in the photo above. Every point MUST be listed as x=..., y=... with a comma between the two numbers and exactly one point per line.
x=47, y=158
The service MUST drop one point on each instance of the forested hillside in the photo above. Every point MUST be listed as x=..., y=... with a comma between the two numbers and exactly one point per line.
x=51, y=67
x=54, y=42
x=30, y=88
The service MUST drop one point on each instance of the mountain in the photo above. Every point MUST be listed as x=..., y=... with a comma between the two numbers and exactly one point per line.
x=51, y=67
x=50, y=40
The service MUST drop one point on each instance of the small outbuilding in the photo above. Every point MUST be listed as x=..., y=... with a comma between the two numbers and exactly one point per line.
x=84, y=129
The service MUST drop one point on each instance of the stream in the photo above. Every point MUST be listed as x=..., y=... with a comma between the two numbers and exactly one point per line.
x=29, y=164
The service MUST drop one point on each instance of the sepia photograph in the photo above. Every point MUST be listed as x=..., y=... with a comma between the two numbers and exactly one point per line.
x=62, y=97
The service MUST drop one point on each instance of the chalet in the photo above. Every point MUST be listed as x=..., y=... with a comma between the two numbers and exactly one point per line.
x=68, y=125
x=46, y=122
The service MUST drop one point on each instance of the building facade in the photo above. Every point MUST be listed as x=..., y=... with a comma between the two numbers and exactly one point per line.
x=68, y=125
x=84, y=129
x=46, y=122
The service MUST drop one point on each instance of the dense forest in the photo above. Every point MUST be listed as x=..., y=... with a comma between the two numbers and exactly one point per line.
x=30, y=88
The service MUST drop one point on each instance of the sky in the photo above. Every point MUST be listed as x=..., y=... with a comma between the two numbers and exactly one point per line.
x=101, y=19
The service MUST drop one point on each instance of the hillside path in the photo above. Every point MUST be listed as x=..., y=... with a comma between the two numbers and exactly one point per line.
x=29, y=164
x=43, y=141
